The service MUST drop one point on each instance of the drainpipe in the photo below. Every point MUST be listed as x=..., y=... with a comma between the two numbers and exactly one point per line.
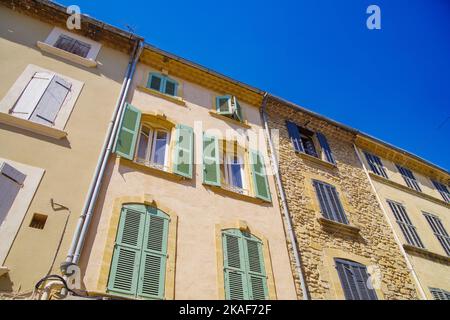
x=397, y=239
x=287, y=216
x=73, y=254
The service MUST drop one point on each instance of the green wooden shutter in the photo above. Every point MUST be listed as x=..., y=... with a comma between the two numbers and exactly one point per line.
x=184, y=151
x=128, y=132
x=154, y=255
x=123, y=277
x=211, y=163
x=223, y=105
x=237, y=110
x=257, y=280
x=236, y=283
x=260, y=182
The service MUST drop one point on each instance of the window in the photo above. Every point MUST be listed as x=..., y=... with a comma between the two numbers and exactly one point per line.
x=11, y=180
x=74, y=46
x=244, y=271
x=376, y=165
x=162, y=83
x=439, y=231
x=409, y=178
x=234, y=172
x=303, y=141
x=405, y=224
x=443, y=190
x=440, y=294
x=153, y=147
x=229, y=106
x=330, y=204
x=354, y=280
x=138, y=265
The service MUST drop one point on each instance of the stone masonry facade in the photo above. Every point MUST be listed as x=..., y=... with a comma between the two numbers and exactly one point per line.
x=317, y=244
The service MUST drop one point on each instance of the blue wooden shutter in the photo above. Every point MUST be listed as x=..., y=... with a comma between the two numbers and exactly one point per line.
x=409, y=178
x=260, y=182
x=255, y=268
x=128, y=132
x=211, y=163
x=236, y=283
x=183, y=153
x=375, y=164
x=51, y=102
x=405, y=224
x=154, y=255
x=330, y=204
x=440, y=294
x=325, y=148
x=294, y=135
x=439, y=231
x=353, y=277
x=443, y=190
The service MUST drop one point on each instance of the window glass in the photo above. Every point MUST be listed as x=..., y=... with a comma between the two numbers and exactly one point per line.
x=160, y=143
x=143, y=143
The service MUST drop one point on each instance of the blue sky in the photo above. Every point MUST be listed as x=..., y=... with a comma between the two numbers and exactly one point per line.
x=392, y=83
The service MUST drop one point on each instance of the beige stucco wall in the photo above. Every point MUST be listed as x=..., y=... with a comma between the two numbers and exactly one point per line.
x=199, y=208
x=68, y=163
x=431, y=272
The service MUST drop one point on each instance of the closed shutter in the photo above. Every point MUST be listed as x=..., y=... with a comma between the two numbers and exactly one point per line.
x=439, y=294
x=154, y=255
x=183, y=151
x=31, y=95
x=325, y=148
x=294, y=135
x=409, y=178
x=405, y=224
x=211, y=164
x=51, y=101
x=11, y=181
x=375, y=164
x=223, y=105
x=439, y=231
x=236, y=284
x=330, y=204
x=124, y=274
x=354, y=280
x=256, y=273
x=260, y=182
x=443, y=190
x=128, y=132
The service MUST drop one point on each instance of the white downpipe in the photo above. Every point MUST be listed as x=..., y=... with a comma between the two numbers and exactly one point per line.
x=396, y=237
x=287, y=216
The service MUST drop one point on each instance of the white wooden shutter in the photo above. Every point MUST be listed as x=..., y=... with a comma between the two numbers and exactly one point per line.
x=33, y=92
x=11, y=181
x=51, y=101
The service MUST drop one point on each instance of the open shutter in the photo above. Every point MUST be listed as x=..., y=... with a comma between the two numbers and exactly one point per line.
x=236, y=283
x=294, y=135
x=256, y=272
x=237, y=109
x=154, y=255
x=51, y=102
x=184, y=151
x=31, y=95
x=211, y=163
x=128, y=132
x=260, y=182
x=325, y=148
x=123, y=277
x=11, y=180
x=223, y=105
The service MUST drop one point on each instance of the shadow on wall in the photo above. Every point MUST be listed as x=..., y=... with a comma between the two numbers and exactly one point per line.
x=64, y=142
x=6, y=284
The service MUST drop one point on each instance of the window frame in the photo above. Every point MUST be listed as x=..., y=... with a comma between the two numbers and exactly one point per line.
x=162, y=86
x=150, y=148
x=228, y=157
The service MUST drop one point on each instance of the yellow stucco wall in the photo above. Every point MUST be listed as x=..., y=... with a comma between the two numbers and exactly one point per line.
x=68, y=163
x=199, y=208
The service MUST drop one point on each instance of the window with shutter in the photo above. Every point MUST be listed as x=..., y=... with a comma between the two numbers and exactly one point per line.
x=11, y=180
x=260, y=182
x=443, y=190
x=211, y=162
x=128, y=132
x=330, y=204
x=229, y=106
x=405, y=224
x=244, y=272
x=440, y=294
x=375, y=165
x=354, y=280
x=409, y=178
x=74, y=46
x=294, y=135
x=439, y=231
x=162, y=83
x=325, y=148
x=139, y=260
x=183, y=153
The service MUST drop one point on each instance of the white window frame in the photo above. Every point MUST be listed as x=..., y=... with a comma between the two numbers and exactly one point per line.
x=150, y=153
x=229, y=160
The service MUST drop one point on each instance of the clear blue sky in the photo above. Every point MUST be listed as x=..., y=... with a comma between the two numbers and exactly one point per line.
x=392, y=83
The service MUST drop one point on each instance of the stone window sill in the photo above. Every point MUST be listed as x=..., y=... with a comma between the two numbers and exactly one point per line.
x=318, y=161
x=32, y=126
x=3, y=270
x=225, y=118
x=151, y=170
x=67, y=55
x=176, y=100
x=424, y=252
x=338, y=227
x=233, y=194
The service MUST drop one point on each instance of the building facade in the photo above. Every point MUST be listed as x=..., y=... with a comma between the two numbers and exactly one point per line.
x=348, y=250
x=415, y=197
x=57, y=95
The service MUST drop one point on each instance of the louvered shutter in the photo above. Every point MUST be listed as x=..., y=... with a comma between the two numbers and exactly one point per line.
x=409, y=178
x=154, y=255
x=51, y=102
x=236, y=284
x=443, y=190
x=439, y=294
x=354, y=280
x=330, y=204
x=255, y=265
x=294, y=135
x=31, y=95
x=128, y=132
x=223, y=105
x=124, y=275
x=260, y=182
x=11, y=181
x=325, y=148
x=238, y=110
x=211, y=163
x=184, y=151
x=375, y=164
x=439, y=231
x=405, y=224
